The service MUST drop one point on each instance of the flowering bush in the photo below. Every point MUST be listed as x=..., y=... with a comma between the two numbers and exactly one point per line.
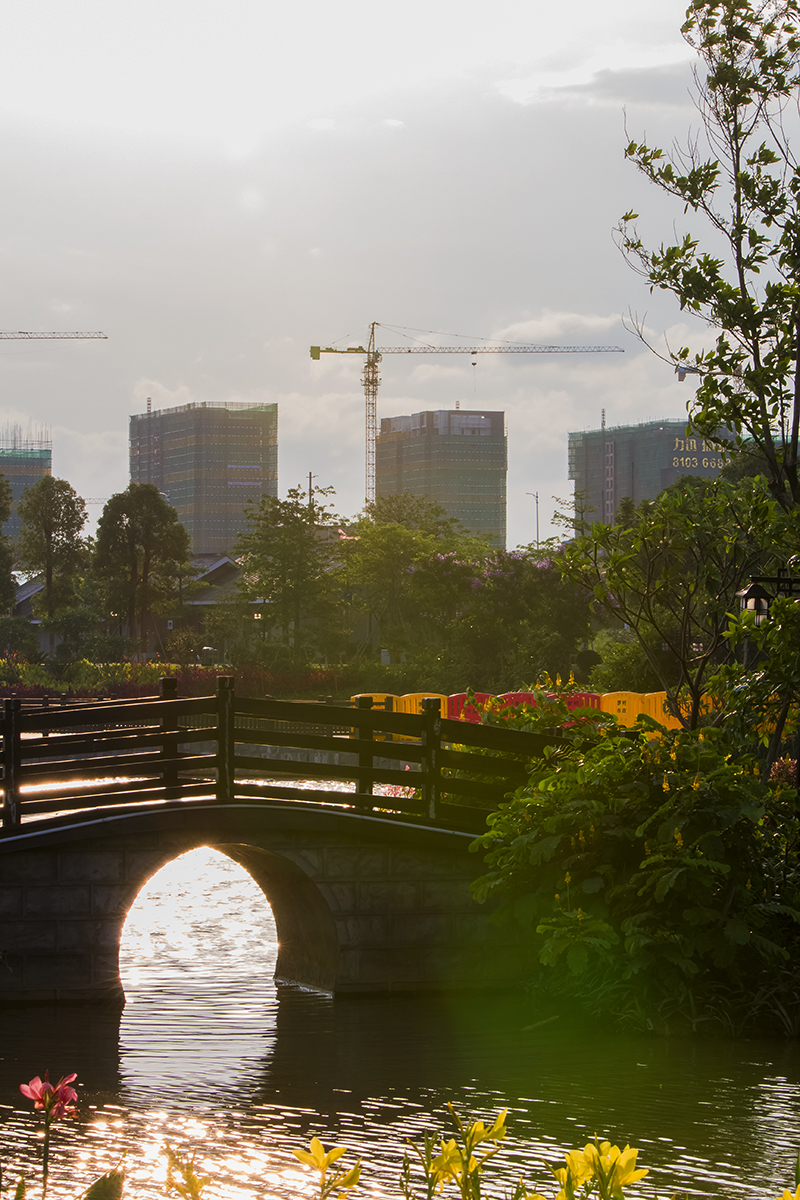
x=659, y=878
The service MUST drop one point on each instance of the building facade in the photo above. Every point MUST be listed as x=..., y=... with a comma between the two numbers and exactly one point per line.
x=210, y=460
x=456, y=457
x=25, y=458
x=637, y=461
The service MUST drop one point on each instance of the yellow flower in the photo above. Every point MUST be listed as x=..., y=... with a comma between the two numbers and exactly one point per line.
x=665, y=784
x=787, y=1195
x=567, y=877
x=317, y=1156
x=678, y=838
x=478, y=1132
x=608, y=1164
x=696, y=784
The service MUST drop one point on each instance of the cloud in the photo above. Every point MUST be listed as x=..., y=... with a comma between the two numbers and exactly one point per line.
x=556, y=326
x=661, y=85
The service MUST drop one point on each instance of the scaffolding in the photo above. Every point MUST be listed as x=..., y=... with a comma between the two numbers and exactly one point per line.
x=212, y=460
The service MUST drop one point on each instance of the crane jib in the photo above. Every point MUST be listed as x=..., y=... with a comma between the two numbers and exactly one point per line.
x=512, y=349
x=371, y=379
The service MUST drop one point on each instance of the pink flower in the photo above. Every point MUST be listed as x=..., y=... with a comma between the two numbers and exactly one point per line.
x=54, y=1099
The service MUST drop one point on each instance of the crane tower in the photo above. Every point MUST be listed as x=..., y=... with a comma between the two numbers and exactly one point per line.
x=370, y=376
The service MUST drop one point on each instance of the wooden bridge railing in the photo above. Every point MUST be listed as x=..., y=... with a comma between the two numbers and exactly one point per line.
x=112, y=754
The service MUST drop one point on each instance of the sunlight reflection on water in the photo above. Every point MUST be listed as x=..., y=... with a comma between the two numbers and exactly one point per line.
x=210, y=1054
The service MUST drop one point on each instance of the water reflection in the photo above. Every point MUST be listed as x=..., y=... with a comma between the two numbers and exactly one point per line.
x=207, y=1053
x=197, y=959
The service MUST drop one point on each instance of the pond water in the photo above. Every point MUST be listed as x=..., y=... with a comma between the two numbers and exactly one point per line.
x=209, y=1054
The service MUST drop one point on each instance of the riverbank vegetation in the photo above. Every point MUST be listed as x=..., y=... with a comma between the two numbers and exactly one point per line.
x=656, y=873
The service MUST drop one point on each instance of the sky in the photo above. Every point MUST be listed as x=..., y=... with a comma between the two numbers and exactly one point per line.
x=218, y=187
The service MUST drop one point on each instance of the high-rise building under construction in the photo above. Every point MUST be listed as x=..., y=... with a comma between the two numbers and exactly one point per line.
x=456, y=457
x=638, y=461
x=210, y=460
x=26, y=456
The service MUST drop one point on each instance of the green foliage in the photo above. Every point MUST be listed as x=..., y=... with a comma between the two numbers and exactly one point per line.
x=660, y=866
x=50, y=543
x=672, y=577
x=759, y=690
x=107, y=1187
x=18, y=639
x=289, y=552
x=8, y=587
x=415, y=513
x=742, y=177
x=627, y=667
x=141, y=558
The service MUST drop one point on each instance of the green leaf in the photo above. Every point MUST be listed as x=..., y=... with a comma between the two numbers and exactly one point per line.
x=107, y=1187
x=577, y=959
x=737, y=931
x=593, y=884
x=19, y=1193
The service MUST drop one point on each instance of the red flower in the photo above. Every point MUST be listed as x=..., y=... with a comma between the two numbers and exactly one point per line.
x=54, y=1099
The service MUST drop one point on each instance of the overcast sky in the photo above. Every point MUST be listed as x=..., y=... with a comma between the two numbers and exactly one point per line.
x=218, y=186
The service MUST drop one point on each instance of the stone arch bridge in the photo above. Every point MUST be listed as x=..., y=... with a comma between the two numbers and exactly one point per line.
x=370, y=888
x=361, y=903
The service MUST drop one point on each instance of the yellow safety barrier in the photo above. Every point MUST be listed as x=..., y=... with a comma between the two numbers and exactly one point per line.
x=625, y=706
x=657, y=709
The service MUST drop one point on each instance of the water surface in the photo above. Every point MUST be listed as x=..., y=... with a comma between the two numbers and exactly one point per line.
x=208, y=1053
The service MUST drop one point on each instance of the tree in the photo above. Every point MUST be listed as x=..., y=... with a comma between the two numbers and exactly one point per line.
x=413, y=512
x=289, y=552
x=8, y=587
x=743, y=177
x=50, y=542
x=674, y=575
x=141, y=556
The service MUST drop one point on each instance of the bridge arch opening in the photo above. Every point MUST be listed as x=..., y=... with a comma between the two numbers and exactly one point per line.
x=256, y=912
x=200, y=921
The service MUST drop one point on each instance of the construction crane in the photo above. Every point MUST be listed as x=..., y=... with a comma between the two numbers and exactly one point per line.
x=371, y=379
x=21, y=335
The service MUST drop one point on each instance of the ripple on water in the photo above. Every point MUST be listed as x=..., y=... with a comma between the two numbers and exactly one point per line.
x=209, y=1054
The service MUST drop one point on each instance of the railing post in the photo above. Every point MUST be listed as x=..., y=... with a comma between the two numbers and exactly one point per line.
x=11, y=762
x=431, y=742
x=225, y=739
x=364, y=780
x=169, y=747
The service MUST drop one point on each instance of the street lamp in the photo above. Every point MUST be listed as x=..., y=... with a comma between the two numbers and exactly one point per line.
x=536, y=498
x=756, y=599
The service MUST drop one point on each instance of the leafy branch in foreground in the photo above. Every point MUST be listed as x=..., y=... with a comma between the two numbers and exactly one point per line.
x=741, y=177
